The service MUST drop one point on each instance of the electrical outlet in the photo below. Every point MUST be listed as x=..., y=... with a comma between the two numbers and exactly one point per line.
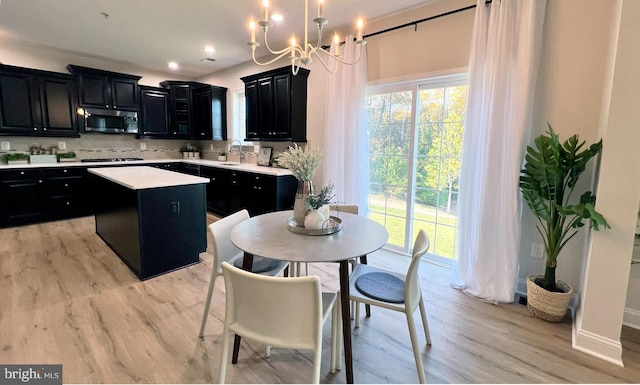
x=211, y=146
x=143, y=146
x=62, y=145
x=537, y=250
x=6, y=146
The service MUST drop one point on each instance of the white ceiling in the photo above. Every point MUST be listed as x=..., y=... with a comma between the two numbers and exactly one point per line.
x=150, y=33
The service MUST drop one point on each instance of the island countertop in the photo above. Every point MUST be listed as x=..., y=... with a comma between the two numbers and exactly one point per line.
x=146, y=177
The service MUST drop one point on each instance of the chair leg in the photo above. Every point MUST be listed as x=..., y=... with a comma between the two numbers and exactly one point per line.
x=339, y=332
x=416, y=348
x=317, y=358
x=225, y=357
x=334, y=336
x=207, y=303
x=267, y=351
x=357, y=313
x=425, y=323
x=367, y=307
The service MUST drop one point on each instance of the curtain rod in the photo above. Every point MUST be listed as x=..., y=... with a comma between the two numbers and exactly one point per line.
x=416, y=22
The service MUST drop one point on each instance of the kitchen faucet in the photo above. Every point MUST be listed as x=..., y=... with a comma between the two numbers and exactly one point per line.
x=239, y=149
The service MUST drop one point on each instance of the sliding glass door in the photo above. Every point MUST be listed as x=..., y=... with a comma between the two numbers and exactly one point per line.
x=416, y=147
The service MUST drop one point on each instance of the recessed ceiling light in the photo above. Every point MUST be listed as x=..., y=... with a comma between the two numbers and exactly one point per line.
x=173, y=65
x=208, y=49
x=277, y=17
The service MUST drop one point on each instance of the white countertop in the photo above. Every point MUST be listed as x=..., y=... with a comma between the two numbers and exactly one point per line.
x=145, y=177
x=246, y=167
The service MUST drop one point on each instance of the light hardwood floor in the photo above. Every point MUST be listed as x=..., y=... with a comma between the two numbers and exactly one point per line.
x=66, y=298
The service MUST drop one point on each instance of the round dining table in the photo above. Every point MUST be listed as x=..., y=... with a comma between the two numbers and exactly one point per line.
x=268, y=236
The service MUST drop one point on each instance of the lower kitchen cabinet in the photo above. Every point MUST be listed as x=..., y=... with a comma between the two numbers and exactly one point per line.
x=229, y=191
x=32, y=195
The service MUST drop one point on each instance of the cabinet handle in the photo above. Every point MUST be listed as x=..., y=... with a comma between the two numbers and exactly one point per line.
x=115, y=106
x=44, y=128
x=68, y=203
x=64, y=170
x=66, y=185
x=107, y=105
x=35, y=129
x=21, y=172
x=40, y=181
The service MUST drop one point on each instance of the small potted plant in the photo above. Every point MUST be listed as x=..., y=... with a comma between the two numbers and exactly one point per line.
x=319, y=212
x=550, y=174
x=67, y=156
x=190, y=151
x=222, y=156
x=16, y=158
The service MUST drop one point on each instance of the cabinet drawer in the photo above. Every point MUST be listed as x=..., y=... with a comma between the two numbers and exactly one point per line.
x=65, y=186
x=259, y=180
x=65, y=207
x=20, y=174
x=55, y=172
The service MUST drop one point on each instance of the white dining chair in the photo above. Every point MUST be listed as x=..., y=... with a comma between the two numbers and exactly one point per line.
x=389, y=290
x=279, y=312
x=220, y=247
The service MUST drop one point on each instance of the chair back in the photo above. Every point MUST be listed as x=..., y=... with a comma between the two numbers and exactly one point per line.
x=412, y=290
x=222, y=248
x=351, y=209
x=275, y=311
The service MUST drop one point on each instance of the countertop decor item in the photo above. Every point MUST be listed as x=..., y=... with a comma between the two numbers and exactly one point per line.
x=264, y=156
x=222, y=156
x=67, y=156
x=328, y=226
x=16, y=158
x=303, y=164
x=547, y=181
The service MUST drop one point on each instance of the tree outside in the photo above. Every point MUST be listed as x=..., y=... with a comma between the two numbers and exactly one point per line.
x=436, y=157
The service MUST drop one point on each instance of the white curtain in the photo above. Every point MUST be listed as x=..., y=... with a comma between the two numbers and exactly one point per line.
x=503, y=63
x=346, y=142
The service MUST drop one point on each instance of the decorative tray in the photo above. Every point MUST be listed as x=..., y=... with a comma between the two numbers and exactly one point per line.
x=332, y=225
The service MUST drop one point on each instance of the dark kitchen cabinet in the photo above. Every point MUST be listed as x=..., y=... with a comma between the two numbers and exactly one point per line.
x=198, y=110
x=154, y=112
x=229, y=191
x=180, y=107
x=66, y=192
x=105, y=89
x=209, y=113
x=36, y=103
x=276, y=105
x=21, y=197
x=32, y=195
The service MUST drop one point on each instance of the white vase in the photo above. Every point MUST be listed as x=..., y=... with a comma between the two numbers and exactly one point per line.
x=325, y=211
x=222, y=158
x=314, y=220
x=301, y=203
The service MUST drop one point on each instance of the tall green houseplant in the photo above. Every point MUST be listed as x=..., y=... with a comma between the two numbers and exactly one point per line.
x=547, y=181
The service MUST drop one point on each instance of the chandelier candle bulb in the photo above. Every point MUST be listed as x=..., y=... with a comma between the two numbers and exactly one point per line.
x=336, y=39
x=293, y=47
x=360, y=25
x=265, y=4
x=252, y=27
x=319, y=8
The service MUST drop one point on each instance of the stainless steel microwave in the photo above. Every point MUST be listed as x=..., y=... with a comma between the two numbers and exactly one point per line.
x=110, y=121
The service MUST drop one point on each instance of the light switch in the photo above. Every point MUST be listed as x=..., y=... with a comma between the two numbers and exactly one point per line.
x=62, y=145
x=143, y=146
x=6, y=146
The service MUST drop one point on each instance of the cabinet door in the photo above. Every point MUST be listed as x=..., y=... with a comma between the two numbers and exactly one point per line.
x=266, y=111
x=251, y=109
x=58, y=109
x=218, y=113
x=202, y=113
x=19, y=104
x=154, y=112
x=123, y=94
x=21, y=197
x=282, y=106
x=260, y=193
x=94, y=91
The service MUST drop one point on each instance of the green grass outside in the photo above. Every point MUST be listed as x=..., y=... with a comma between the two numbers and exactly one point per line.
x=443, y=241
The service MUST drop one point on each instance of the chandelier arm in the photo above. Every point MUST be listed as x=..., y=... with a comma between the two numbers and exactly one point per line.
x=338, y=59
x=266, y=44
x=325, y=65
x=253, y=55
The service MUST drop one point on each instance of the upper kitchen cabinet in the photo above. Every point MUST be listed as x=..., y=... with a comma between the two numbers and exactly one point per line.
x=154, y=112
x=105, y=89
x=198, y=110
x=209, y=113
x=36, y=103
x=276, y=105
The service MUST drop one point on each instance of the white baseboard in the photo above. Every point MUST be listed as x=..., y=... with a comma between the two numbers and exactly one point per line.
x=631, y=318
x=597, y=346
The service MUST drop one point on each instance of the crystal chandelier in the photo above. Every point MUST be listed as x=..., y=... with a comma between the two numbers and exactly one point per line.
x=301, y=54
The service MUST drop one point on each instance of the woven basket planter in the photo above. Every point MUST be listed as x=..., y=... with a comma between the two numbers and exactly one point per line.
x=548, y=305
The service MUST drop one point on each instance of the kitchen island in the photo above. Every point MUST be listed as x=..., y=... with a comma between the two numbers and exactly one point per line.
x=153, y=219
